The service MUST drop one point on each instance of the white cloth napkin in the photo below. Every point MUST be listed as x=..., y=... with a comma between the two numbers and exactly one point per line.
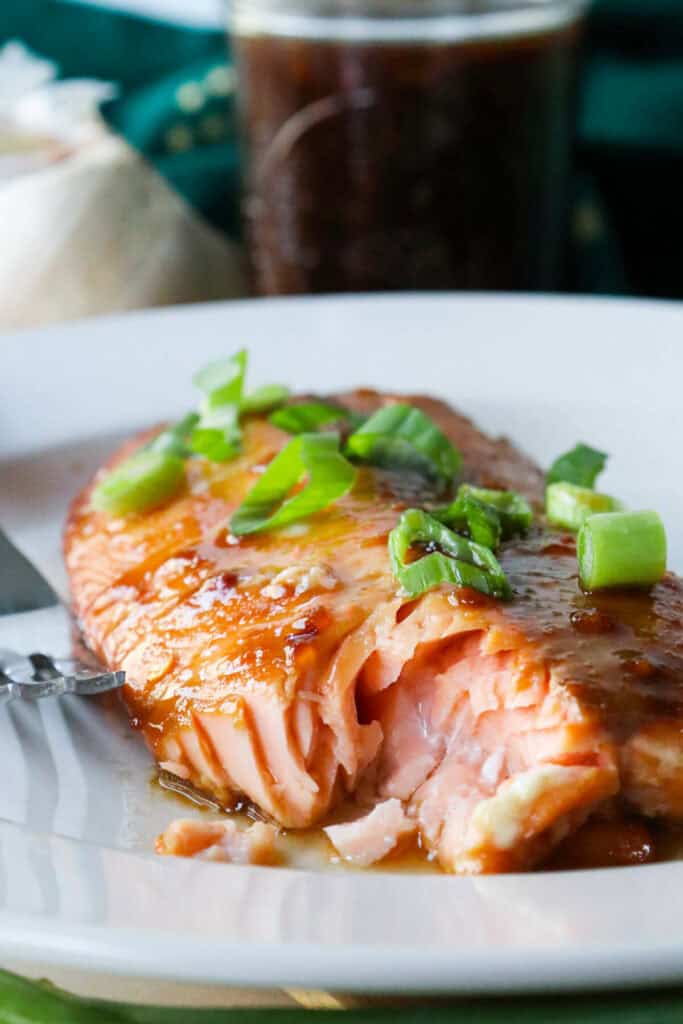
x=88, y=226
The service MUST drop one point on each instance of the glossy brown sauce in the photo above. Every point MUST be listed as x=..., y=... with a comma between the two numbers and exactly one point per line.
x=620, y=651
x=390, y=165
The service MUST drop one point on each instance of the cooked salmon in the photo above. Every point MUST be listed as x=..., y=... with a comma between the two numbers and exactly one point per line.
x=287, y=668
x=220, y=841
x=371, y=837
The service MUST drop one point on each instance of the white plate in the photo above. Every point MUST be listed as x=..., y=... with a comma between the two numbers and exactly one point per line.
x=78, y=883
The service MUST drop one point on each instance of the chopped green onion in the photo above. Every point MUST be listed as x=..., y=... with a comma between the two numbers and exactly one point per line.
x=581, y=466
x=402, y=437
x=516, y=514
x=223, y=380
x=174, y=440
x=264, y=399
x=217, y=435
x=568, y=506
x=307, y=417
x=313, y=456
x=488, y=516
x=476, y=518
x=453, y=559
x=483, y=522
x=622, y=549
x=143, y=482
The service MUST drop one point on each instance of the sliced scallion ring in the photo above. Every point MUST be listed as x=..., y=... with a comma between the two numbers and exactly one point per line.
x=314, y=458
x=217, y=435
x=223, y=379
x=568, y=506
x=487, y=516
x=402, y=437
x=473, y=517
x=264, y=399
x=175, y=440
x=144, y=481
x=453, y=559
x=622, y=549
x=516, y=514
x=307, y=417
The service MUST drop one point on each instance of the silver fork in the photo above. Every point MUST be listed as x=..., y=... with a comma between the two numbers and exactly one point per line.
x=33, y=676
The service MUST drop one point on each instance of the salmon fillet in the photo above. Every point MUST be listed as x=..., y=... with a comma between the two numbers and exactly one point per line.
x=286, y=668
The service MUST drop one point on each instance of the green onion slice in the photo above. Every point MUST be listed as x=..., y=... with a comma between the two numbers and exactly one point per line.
x=307, y=417
x=568, y=506
x=175, y=440
x=402, y=437
x=453, y=559
x=581, y=466
x=217, y=435
x=315, y=457
x=223, y=380
x=516, y=514
x=488, y=516
x=144, y=481
x=264, y=399
x=477, y=519
x=622, y=549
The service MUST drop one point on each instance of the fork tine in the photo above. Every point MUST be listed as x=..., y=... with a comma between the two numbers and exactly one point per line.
x=88, y=684
x=39, y=675
x=43, y=667
x=59, y=686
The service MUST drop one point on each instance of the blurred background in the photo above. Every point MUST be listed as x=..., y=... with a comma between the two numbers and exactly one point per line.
x=129, y=178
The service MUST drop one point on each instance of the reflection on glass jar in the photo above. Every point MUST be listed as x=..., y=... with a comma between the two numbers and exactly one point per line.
x=405, y=144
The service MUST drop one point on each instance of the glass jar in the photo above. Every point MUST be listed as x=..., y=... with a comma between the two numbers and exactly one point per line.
x=405, y=144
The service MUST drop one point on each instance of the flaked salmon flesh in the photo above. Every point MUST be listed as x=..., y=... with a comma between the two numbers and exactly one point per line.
x=287, y=668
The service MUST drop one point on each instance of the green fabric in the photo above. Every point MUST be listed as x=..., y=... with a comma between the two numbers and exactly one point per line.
x=93, y=42
x=23, y=1002
x=195, y=149
x=629, y=152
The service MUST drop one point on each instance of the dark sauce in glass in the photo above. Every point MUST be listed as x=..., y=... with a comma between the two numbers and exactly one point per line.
x=384, y=165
